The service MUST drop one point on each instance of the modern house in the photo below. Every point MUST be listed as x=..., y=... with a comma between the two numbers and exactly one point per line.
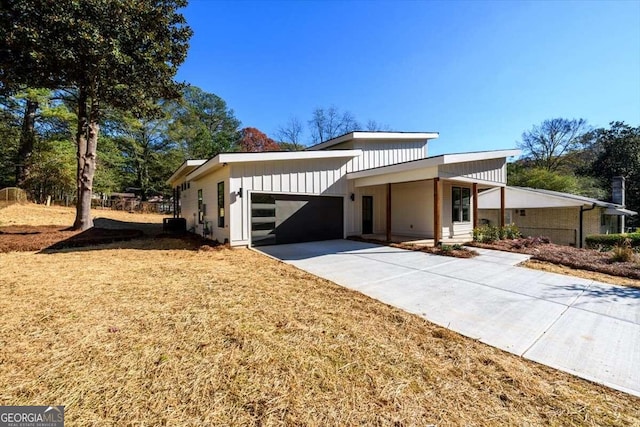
x=565, y=218
x=361, y=183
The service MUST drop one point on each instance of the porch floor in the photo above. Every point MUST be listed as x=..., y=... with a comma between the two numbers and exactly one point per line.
x=415, y=240
x=397, y=238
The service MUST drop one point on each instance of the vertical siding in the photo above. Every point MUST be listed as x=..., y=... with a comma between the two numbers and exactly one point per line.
x=492, y=170
x=384, y=153
x=209, y=186
x=313, y=176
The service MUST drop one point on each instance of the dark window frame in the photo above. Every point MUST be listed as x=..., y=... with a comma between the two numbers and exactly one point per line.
x=200, y=207
x=460, y=204
x=221, y=204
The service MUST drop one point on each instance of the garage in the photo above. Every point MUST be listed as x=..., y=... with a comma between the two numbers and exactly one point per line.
x=294, y=218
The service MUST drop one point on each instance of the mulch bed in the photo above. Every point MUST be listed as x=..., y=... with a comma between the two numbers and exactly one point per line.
x=445, y=250
x=25, y=238
x=582, y=259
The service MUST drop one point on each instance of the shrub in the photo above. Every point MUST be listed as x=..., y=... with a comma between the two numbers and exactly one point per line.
x=623, y=252
x=491, y=233
x=511, y=232
x=609, y=241
x=486, y=234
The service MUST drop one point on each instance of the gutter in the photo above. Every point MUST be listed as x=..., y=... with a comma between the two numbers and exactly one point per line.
x=582, y=211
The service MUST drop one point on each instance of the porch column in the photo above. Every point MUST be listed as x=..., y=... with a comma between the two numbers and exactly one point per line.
x=437, y=228
x=389, y=212
x=475, y=205
x=502, y=197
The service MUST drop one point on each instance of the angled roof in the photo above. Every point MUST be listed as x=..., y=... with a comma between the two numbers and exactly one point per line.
x=381, y=136
x=222, y=159
x=184, y=169
x=432, y=161
x=524, y=197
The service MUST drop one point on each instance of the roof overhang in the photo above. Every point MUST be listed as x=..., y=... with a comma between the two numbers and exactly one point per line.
x=620, y=211
x=532, y=198
x=375, y=136
x=223, y=159
x=431, y=162
x=184, y=169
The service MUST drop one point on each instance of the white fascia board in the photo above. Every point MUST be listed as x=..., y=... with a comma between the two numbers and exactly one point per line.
x=395, y=177
x=286, y=155
x=480, y=155
x=620, y=211
x=400, y=167
x=223, y=159
x=373, y=136
x=209, y=166
x=185, y=168
x=434, y=161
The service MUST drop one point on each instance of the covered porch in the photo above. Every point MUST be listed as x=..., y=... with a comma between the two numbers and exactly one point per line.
x=425, y=202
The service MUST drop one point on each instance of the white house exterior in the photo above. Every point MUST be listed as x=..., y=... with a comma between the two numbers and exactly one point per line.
x=567, y=219
x=357, y=184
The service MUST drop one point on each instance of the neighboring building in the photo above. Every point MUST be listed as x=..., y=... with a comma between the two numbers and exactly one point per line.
x=565, y=218
x=361, y=183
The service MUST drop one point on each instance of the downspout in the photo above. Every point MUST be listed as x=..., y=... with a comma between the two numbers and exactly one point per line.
x=582, y=211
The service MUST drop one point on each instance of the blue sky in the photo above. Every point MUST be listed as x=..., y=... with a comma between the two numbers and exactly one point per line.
x=480, y=73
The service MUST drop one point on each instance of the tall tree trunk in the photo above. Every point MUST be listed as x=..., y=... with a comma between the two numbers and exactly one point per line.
x=87, y=140
x=27, y=140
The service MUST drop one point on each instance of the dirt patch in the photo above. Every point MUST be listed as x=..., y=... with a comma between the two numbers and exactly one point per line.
x=32, y=238
x=575, y=258
x=53, y=238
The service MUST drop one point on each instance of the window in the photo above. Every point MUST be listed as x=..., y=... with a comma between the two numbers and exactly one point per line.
x=460, y=204
x=221, y=204
x=200, y=208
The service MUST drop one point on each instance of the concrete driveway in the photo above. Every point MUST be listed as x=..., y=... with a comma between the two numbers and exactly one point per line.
x=580, y=326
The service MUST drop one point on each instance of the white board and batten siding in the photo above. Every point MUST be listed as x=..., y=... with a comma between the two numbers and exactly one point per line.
x=319, y=177
x=376, y=154
x=493, y=171
x=209, y=186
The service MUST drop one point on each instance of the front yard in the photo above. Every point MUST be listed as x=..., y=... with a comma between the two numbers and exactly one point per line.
x=162, y=332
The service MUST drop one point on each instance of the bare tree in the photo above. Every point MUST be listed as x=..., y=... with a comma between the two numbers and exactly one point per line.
x=289, y=135
x=327, y=123
x=547, y=143
x=374, y=126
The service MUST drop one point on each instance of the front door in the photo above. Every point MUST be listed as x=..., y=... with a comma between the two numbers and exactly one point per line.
x=367, y=214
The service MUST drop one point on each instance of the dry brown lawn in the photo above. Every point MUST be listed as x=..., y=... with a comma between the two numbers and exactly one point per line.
x=152, y=332
x=34, y=215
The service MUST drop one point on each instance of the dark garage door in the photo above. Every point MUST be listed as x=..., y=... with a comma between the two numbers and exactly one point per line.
x=291, y=218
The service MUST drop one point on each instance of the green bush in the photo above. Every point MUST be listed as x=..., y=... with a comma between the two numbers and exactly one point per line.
x=486, y=234
x=446, y=248
x=511, y=231
x=609, y=241
x=491, y=233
